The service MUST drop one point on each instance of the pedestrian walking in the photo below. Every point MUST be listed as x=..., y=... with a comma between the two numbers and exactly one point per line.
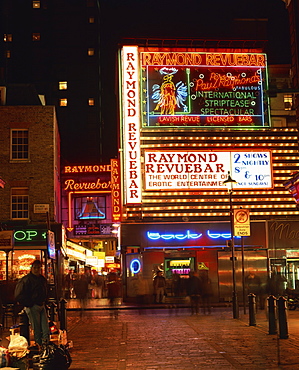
x=113, y=292
x=99, y=283
x=253, y=286
x=159, y=287
x=81, y=291
x=194, y=291
x=206, y=292
x=32, y=292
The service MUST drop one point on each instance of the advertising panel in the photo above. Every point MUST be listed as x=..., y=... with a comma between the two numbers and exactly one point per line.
x=131, y=124
x=207, y=170
x=203, y=89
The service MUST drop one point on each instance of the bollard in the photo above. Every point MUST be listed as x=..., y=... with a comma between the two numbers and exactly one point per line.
x=272, y=314
x=282, y=318
x=24, y=325
x=252, y=309
x=63, y=314
x=52, y=311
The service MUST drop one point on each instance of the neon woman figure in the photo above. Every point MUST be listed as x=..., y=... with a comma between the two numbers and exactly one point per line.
x=167, y=101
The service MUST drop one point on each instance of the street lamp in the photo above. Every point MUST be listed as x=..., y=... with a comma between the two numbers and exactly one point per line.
x=229, y=182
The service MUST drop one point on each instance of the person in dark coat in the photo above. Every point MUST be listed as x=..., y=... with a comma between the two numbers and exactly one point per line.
x=159, y=284
x=206, y=292
x=81, y=291
x=32, y=292
x=194, y=291
x=113, y=292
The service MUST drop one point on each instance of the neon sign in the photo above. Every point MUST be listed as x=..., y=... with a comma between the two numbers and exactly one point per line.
x=131, y=124
x=201, y=170
x=29, y=235
x=72, y=185
x=135, y=266
x=203, y=89
x=187, y=235
x=87, y=169
x=116, y=190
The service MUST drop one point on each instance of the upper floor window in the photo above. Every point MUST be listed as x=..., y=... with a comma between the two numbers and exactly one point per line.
x=91, y=101
x=63, y=102
x=62, y=85
x=7, y=54
x=90, y=52
x=288, y=101
x=19, y=203
x=91, y=19
x=19, y=144
x=36, y=4
x=36, y=37
x=7, y=37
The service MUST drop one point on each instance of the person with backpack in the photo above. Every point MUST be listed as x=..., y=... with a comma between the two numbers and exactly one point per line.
x=32, y=292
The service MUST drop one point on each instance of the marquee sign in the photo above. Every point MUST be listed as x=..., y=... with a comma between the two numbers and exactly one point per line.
x=116, y=190
x=203, y=89
x=131, y=124
x=207, y=170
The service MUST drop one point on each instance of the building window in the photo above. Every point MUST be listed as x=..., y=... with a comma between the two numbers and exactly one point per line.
x=36, y=4
x=87, y=208
x=19, y=144
x=7, y=54
x=63, y=102
x=36, y=37
x=91, y=101
x=62, y=85
x=19, y=203
x=7, y=37
x=91, y=19
x=90, y=52
x=288, y=101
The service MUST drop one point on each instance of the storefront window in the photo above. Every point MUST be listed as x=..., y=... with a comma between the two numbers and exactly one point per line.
x=19, y=263
x=87, y=208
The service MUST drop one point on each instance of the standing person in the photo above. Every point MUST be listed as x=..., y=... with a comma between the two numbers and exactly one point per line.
x=114, y=292
x=81, y=291
x=206, y=291
x=194, y=291
x=32, y=292
x=99, y=282
x=159, y=286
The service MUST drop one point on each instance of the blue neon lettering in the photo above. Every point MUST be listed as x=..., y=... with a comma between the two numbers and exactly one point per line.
x=135, y=269
x=188, y=235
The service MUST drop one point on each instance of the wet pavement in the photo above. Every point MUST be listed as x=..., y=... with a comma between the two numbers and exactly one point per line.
x=167, y=337
x=170, y=338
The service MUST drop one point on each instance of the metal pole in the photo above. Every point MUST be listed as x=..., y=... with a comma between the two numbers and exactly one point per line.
x=243, y=275
x=6, y=252
x=234, y=297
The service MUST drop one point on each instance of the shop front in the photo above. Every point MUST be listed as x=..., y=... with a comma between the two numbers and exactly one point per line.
x=178, y=248
x=284, y=251
x=28, y=244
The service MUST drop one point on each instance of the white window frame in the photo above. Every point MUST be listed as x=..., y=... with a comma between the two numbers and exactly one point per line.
x=21, y=202
x=19, y=146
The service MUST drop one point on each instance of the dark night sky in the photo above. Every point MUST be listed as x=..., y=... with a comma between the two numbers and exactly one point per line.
x=183, y=19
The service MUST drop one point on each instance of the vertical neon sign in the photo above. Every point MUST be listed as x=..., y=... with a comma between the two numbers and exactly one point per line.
x=131, y=124
x=115, y=192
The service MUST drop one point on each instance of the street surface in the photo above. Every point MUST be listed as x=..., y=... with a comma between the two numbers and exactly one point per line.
x=170, y=338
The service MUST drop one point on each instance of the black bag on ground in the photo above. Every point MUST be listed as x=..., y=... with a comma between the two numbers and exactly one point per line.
x=54, y=357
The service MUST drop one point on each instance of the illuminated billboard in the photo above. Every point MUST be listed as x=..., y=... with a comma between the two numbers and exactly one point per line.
x=131, y=124
x=203, y=89
x=195, y=170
